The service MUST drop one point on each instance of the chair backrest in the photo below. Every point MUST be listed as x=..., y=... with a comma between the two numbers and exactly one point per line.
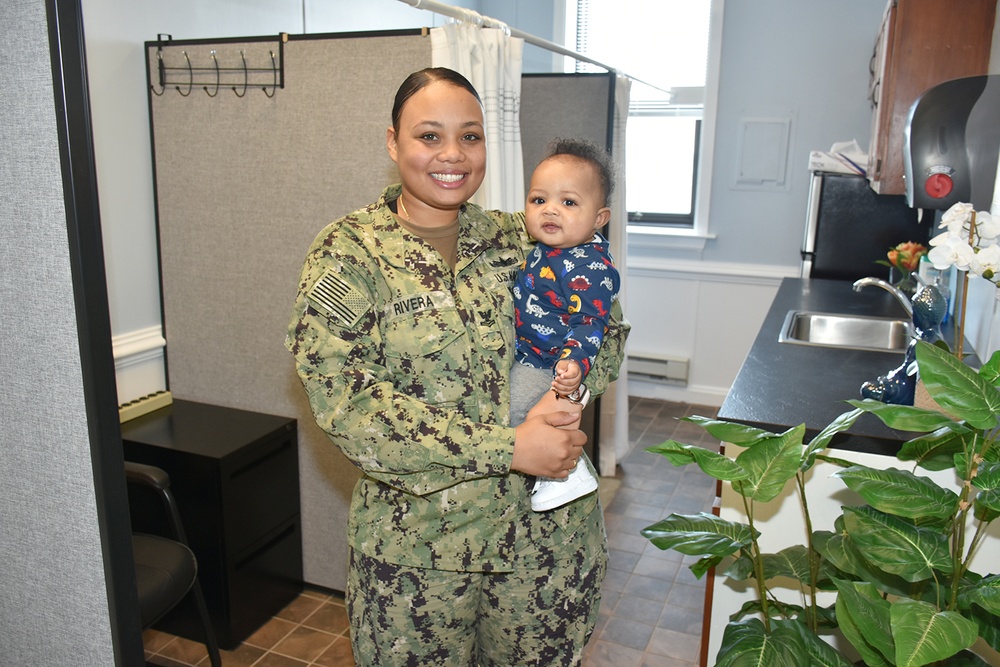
x=166, y=569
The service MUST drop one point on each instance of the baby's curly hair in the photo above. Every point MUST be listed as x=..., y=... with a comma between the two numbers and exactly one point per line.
x=587, y=150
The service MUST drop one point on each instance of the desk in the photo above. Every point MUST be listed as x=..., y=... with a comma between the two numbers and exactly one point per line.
x=235, y=476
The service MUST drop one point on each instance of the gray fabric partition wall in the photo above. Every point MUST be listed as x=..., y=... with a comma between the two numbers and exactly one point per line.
x=243, y=186
x=563, y=105
x=67, y=581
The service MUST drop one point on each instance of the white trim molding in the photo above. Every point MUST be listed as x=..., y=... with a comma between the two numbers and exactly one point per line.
x=742, y=273
x=140, y=369
x=136, y=347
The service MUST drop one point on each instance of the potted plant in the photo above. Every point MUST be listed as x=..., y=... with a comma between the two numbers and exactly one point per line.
x=898, y=565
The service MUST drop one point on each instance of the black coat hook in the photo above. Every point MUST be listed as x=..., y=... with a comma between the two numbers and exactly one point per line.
x=190, y=76
x=161, y=71
x=274, y=86
x=215, y=61
x=245, y=76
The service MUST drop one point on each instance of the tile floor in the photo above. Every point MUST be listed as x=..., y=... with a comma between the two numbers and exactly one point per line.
x=651, y=609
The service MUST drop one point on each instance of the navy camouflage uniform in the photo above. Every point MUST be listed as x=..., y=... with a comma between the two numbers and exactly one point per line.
x=406, y=366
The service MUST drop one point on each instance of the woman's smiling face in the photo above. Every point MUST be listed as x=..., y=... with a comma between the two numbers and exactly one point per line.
x=439, y=150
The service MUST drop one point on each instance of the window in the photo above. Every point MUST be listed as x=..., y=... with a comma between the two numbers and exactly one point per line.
x=665, y=47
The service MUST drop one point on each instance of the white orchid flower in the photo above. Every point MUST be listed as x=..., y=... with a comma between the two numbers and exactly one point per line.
x=941, y=239
x=956, y=217
x=951, y=251
x=952, y=247
x=986, y=263
x=987, y=227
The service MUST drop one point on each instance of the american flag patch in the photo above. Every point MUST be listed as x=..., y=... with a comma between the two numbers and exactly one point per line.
x=338, y=299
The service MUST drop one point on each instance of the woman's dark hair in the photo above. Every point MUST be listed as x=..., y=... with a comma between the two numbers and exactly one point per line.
x=423, y=78
x=592, y=153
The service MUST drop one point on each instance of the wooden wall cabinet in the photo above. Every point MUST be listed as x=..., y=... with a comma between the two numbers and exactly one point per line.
x=920, y=44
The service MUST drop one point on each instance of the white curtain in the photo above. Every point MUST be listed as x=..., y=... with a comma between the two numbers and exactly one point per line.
x=614, y=443
x=491, y=59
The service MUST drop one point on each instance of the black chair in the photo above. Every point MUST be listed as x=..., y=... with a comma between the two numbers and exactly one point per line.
x=166, y=569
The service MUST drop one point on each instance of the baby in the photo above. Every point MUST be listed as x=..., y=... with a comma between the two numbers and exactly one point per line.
x=563, y=293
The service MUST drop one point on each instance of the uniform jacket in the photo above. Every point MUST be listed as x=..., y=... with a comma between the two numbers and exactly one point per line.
x=562, y=302
x=406, y=366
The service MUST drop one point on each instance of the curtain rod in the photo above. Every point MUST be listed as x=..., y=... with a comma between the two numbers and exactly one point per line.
x=471, y=16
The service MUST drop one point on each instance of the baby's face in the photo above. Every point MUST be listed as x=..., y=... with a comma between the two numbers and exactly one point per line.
x=565, y=203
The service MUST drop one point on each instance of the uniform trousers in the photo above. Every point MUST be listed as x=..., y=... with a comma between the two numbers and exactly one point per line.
x=541, y=613
x=527, y=386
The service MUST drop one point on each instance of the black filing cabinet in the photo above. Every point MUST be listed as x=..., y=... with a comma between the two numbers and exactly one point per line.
x=235, y=475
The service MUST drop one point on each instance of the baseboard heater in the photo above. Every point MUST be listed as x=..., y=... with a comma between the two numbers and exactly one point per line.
x=658, y=368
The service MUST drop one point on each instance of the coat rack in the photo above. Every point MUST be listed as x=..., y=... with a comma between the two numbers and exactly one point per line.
x=175, y=69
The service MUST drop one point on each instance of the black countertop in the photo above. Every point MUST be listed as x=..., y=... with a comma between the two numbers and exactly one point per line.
x=783, y=384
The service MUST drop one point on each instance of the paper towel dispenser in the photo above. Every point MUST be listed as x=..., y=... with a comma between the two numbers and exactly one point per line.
x=952, y=142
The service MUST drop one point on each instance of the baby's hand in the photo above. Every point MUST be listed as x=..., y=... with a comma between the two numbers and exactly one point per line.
x=568, y=377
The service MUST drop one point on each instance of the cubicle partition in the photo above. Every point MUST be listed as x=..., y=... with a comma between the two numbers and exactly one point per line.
x=258, y=143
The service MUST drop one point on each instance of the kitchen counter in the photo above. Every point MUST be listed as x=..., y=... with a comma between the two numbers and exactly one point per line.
x=781, y=385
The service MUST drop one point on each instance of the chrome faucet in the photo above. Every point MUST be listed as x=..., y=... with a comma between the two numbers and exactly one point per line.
x=904, y=300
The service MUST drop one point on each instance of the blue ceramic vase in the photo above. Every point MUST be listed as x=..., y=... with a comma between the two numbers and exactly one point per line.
x=898, y=385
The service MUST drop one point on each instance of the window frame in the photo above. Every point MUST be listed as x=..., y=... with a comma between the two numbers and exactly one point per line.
x=693, y=235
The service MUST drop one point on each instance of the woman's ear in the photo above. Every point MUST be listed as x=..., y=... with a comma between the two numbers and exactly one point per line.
x=390, y=142
x=603, y=216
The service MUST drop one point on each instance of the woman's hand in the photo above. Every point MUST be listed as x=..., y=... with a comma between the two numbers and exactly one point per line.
x=550, y=402
x=548, y=445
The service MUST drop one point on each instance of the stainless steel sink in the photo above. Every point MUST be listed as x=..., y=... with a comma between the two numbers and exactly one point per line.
x=857, y=332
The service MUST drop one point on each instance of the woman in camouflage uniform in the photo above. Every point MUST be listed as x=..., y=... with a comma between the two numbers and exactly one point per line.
x=403, y=338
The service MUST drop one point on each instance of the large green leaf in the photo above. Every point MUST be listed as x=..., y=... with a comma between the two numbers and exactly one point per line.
x=990, y=371
x=957, y=388
x=841, y=559
x=711, y=463
x=992, y=453
x=747, y=644
x=791, y=562
x=987, y=502
x=987, y=506
x=989, y=629
x=738, y=434
x=896, y=546
x=699, y=534
x=934, y=451
x=900, y=492
x=817, y=652
x=741, y=569
x=923, y=634
x=822, y=439
x=987, y=477
x=701, y=566
x=771, y=463
x=863, y=617
x=774, y=610
x=966, y=658
x=986, y=594
x=830, y=547
x=904, y=417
